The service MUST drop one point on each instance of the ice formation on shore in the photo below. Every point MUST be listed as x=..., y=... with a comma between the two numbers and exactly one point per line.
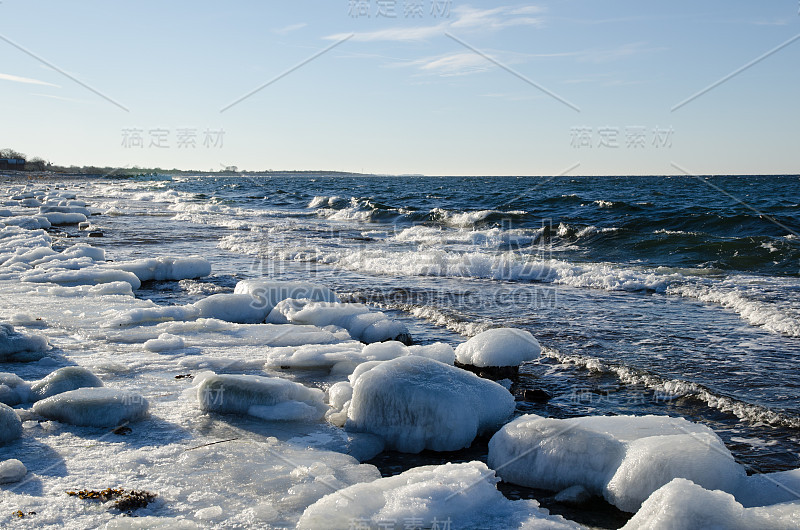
x=13, y=389
x=622, y=458
x=498, y=347
x=447, y=496
x=93, y=407
x=362, y=323
x=269, y=398
x=11, y=471
x=682, y=504
x=10, y=424
x=64, y=380
x=165, y=268
x=20, y=347
x=416, y=403
x=164, y=342
x=270, y=292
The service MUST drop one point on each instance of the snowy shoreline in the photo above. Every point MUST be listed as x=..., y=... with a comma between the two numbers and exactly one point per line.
x=290, y=390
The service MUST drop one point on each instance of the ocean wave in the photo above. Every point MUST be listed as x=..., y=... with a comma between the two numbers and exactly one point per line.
x=757, y=313
x=672, y=388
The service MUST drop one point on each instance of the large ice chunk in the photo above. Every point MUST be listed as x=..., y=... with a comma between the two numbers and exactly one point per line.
x=165, y=268
x=10, y=424
x=343, y=358
x=416, y=403
x=93, y=407
x=64, y=380
x=269, y=398
x=19, y=347
x=238, y=308
x=498, y=347
x=623, y=458
x=447, y=496
x=270, y=292
x=93, y=275
x=13, y=390
x=683, y=505
x=362, y=324
x=164, y=342
x=12, y=471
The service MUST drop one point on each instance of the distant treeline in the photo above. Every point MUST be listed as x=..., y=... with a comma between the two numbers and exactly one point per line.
x=39, y=164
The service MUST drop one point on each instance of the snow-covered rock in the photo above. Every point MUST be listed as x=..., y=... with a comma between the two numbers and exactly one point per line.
x=64, y=380
x=20, y=347
x=10, y=424
x=270, y=292
x=447, y=496
x=238, y=308
x=13, y=390
x=498, y=347
x=362, y=324
x=269, y=398
x=12, y=471
x=683, y=505
x=164, y=342
x=416, y=403
x=165, y=268
x=622, y=458
x=93, y=407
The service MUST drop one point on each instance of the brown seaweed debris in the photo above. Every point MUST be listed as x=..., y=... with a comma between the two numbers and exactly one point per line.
x=123, y=500
x=23, y=515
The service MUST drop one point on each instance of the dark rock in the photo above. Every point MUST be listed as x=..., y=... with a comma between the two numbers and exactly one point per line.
x=536, y=395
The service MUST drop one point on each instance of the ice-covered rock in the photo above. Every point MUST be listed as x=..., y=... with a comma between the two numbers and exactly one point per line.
x=13, y=390
x=64, y=380
x=416, y=403
x=12, y=471
x=10, y=424
x=28, y=223
x=622, y=458
x=270, y=292
x=269, y=398
x=447, y=496
x=573, y=495
x=165, y=268
x=58, y=218
x=93, y=275
x=238, y=308
x=164, y=342
x=683, y=505
x=344, y=357
x=498, y=347
x=20, y=347
x=93, y=407
x=362, y=324
x=65, y=209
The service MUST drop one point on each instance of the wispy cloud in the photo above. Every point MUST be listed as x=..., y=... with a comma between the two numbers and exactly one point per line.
x=290, y=28
x=465, y=18
x=26, y=80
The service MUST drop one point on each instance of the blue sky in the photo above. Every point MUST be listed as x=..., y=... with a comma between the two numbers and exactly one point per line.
x=439, y=88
